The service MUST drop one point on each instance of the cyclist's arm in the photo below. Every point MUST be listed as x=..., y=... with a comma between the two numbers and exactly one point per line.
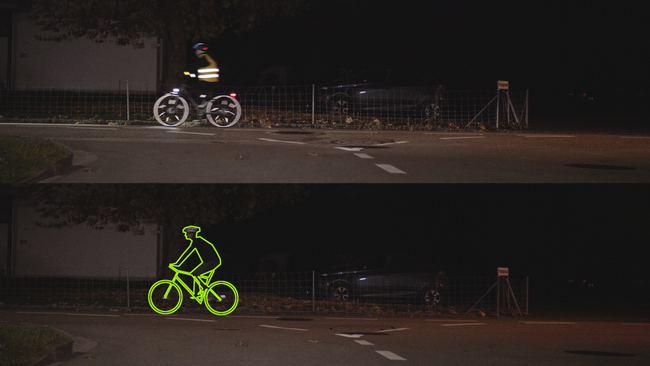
x=184, y=256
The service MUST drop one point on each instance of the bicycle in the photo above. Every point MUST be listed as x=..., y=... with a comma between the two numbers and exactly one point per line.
x=219, y=297
x=172, y=108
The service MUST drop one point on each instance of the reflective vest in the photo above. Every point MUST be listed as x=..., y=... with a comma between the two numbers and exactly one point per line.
x=208, y=73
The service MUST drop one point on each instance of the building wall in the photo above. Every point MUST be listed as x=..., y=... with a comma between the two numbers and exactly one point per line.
x=79, y=64
x=80, y=250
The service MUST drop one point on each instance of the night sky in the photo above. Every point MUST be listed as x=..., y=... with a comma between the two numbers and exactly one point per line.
x=550, y=233
x=547, y=47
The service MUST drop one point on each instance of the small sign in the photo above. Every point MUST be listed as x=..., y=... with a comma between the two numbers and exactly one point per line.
x=502, y=85
x=503, y=271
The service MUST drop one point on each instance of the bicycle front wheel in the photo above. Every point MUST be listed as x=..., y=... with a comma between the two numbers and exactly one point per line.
x=222, y=298
x=223, y=111
x=171, y=110
x=165, y=297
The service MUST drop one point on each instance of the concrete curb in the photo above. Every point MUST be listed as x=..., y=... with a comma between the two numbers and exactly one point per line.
x=60, y=353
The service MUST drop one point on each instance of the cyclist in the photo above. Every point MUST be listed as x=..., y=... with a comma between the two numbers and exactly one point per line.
x=206, y=73
x=206, y=259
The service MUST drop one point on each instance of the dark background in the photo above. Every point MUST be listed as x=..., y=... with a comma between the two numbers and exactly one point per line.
x=551, y=234
x=548, y=46
x=583, y=62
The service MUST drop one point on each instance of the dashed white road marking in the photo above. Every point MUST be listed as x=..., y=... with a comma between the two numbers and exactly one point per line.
x=363, y=156
x=283, y=141
x=349, y=148
x=349, y=335
x=94, y=128
x=352, y=318
x=391, y=330
x=462, y=137
x=449, y=320
x=540, y=322
x=194, y=320
x=101, y=315
x=391, y=169
x=460, y=324
x=547, y=135
x=364, y=342
x=192, y=133
x=391, y=356
x=392, y=143
x=274, y=327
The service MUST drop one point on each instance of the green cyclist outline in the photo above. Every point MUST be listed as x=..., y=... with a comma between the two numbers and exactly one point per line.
x=172, y=292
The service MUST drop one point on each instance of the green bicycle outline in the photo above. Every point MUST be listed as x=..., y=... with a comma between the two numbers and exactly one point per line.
x=207, y=290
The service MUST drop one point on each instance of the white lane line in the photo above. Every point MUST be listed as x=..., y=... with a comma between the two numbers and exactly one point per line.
x=391, y=330
x=274, y=327
x=252, y=316
x=391, y=356
x=194, y=320
x=460, y=324
x=349, y=335
x=547, y=135
x=94, y=128
x=286, y=142
x=146, y=315
x=450, y=320
x=364, y=342
x=392, y=143
x=39, y=312
x=192, y=133
x=352, y=318
x=104, y=315
x=391, y=169
x=529, y=322
x=349, y=148
x=462, y=137
x=363, y=156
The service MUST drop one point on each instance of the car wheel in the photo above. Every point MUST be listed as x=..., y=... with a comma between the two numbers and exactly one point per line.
x=340, y=292
x=340, y=105
x=432, y=298
x=432, y=111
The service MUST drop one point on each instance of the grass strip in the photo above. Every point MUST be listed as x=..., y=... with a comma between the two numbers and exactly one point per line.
x=22, y=344
x=20, y=157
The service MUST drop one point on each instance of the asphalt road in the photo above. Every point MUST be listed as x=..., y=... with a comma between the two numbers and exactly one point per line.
x=156, y=154
x=118, y=338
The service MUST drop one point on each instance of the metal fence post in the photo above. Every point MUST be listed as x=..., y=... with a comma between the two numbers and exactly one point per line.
x=313, y=98
x=128, y=110
x=498, y=292
x=128, y=303
x=526, y=126
x=526, y=294
x=313, y=288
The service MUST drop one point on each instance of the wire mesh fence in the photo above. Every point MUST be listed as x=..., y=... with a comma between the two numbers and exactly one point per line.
x=379, y=107
x=297, y=291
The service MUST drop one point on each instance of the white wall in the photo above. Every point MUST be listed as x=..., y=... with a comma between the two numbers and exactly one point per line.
x=81, y=250
x=80, y=63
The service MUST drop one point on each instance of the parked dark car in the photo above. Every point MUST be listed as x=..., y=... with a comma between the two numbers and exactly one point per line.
x=385, y=278
x=374, y=93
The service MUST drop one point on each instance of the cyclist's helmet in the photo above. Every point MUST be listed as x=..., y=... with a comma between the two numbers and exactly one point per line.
x=191, y=229
x=201, y=47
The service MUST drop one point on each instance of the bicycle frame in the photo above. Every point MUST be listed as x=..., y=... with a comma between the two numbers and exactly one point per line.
x=206, y=277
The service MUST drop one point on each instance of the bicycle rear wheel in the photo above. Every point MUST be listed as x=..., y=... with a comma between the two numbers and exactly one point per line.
x=223, y=111
x=222, y=298
x=165, y=297
x=171, y=110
